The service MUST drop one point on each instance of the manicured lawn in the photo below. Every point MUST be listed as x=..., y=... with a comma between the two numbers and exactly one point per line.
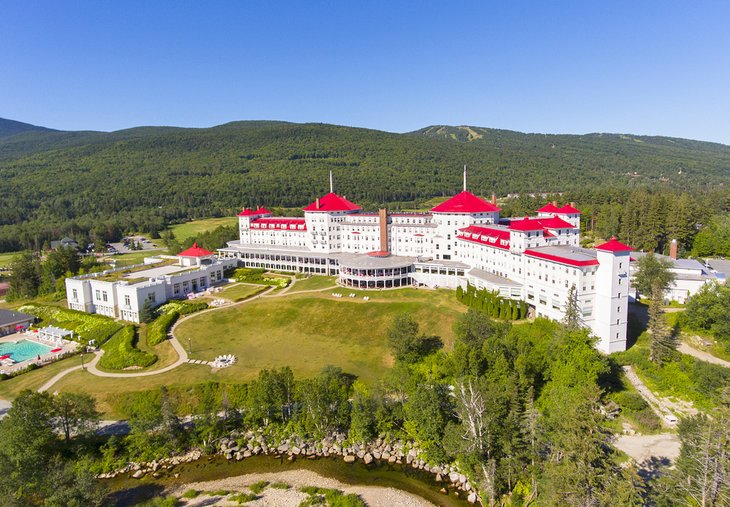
x=7, y=257
x=33, y=380
x=314, y=282
x=303, y=331
x=241, y=291
x=309, y=331
x=191, y=229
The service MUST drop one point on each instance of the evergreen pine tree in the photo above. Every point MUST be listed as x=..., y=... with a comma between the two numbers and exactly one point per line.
x=571, y=319
x=663, y=340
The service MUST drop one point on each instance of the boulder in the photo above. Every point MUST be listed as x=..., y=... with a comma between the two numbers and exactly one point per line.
x=296, y=450
x=247, y=454
x=349, y=458
x=386, y=455
x=368, y=458
x=392, y=459
x=137, y=474
x=438, y=478
x=472, y=498
x=377, y=454
x=454, y=477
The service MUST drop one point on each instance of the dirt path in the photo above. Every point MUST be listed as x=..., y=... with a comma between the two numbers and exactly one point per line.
x=688, y=349
x=658, y=406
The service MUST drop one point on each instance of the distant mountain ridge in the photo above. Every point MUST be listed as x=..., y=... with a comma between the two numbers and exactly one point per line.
x=59, y=183
x=12, y=127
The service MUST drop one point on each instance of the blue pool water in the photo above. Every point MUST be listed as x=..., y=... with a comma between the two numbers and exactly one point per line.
x=24, y=349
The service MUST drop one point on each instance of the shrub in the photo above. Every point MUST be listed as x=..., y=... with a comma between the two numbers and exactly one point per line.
x=87, y=326
x=120, y=351
x=280, y=485
x=191, y=493
x=158, y=328
x=242, y=498
x=258, y=487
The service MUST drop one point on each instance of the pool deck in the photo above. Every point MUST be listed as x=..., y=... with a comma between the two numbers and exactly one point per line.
x=66, y=347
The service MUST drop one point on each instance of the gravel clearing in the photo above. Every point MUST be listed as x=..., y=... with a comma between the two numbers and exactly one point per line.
x=373, y=496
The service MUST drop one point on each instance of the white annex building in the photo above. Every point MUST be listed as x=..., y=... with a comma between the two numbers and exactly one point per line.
x=121, y=293
x=463, y=240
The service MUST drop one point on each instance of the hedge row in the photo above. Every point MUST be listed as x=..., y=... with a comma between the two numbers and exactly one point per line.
x=158, y=328
x=121, y=352
x=491, y=302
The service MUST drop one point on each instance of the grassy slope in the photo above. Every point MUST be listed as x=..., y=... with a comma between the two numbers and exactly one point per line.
x=306, y=332
x=33, y=380
x=241, y=291
x=191, y=229
x=314, y=282
x=7, y=257
x=309, y=331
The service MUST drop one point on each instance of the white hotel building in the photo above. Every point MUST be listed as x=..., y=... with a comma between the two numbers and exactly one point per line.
x=460, y=241
x=122, y=292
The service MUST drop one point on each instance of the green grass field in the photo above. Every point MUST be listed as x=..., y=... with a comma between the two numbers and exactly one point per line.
x=309, y=331
x=314, y=282
x=6, y=258
x=33, y=380
x=241, y=291
x=304, y=331
x=191, y=229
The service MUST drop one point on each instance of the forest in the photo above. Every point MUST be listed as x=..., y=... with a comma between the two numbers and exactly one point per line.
x=98, y=186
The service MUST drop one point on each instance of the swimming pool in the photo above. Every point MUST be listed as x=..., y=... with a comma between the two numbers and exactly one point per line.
x=24, y=349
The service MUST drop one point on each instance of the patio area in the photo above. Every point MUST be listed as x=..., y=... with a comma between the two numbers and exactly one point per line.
x=23, y=348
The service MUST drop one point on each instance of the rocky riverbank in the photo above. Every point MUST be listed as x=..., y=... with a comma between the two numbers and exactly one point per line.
x=239, y=446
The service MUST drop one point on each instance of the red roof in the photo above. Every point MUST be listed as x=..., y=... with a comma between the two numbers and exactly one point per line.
x=536, y=224
x=465, y=202
x=525, y=225
x=560, y=259
x=614, y=245
x=195, y=251
x=569, y=210
x=548, y=208
x=555, y=223
x=497, y=238
x=332, y=202
x=280, y=223
x=263, y=211
x=247, y=212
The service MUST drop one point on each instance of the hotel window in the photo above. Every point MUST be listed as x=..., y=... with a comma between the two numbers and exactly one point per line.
x=151, y=297
x=75, y=295
x=126, y=300
x=98, y=294
x=104, y=296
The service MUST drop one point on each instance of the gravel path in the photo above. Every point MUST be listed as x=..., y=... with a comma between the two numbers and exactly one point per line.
x=685, y=348
x=372, y=495
x=657, y=405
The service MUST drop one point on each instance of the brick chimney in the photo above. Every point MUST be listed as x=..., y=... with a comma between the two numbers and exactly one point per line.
x=383, y=213
x=555, y=203
x=494, y=198
x=673, y=249
x=317, y=203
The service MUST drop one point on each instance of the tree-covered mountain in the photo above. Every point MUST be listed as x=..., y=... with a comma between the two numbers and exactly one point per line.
x=12, y=127
x=57, y=183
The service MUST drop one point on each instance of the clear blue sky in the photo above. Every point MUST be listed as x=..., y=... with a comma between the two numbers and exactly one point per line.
x=644, y=67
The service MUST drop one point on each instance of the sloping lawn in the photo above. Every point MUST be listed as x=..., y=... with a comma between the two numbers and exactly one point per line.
x=309, y=331
x=192, y=229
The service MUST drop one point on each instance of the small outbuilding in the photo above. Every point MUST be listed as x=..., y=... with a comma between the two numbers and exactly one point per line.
x=11, y=321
